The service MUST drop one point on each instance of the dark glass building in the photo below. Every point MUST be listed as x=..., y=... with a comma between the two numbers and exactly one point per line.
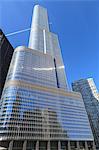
x=6, y=51
x=38, y=112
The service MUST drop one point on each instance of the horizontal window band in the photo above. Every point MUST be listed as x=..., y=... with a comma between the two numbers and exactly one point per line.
x=45, y=89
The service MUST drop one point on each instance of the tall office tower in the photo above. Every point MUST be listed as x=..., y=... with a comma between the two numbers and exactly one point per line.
x=43, y=40
x=6, y=51
x=38, y=112
x=91, y=99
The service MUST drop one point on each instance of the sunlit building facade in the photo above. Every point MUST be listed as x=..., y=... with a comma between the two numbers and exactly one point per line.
x=38, y=112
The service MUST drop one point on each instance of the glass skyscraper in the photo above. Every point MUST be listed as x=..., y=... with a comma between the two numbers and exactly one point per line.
x=91, y=99
x=38, y=112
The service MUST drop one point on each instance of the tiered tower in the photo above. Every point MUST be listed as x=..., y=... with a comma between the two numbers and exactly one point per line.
x=38, y=112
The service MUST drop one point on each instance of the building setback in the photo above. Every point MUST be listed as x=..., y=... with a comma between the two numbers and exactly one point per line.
x=91, y=99
x=6, y=51
x=38, y=112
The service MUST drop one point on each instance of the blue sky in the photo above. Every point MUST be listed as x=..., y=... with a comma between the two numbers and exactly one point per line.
x=76, y=23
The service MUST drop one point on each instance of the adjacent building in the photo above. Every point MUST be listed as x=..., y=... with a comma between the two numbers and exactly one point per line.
x=38, y=112
x=6, y=51
x=91, y=100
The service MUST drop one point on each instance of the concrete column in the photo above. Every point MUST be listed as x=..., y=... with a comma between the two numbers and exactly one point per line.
x=24, y=145
x=48, y=145
x=69, y=147
x=94, y=147
x=10, y=145
x=78, y=146
x=59, y=145
x=37, y=145
x=86, y=145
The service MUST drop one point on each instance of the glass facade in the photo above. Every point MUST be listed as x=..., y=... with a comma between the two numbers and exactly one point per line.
x=37, y=110
x=32, y=108
x=41, y=39
x=91, y=100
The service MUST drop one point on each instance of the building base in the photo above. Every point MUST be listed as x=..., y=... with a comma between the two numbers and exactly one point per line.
x=47, y=145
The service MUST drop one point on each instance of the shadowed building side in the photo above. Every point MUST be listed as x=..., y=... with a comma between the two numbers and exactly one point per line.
x=6, y=51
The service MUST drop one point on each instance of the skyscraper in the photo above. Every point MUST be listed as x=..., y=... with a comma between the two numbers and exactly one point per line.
x=91, y=99
x=38, y=112
x=6, y=51
x=43, y=40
